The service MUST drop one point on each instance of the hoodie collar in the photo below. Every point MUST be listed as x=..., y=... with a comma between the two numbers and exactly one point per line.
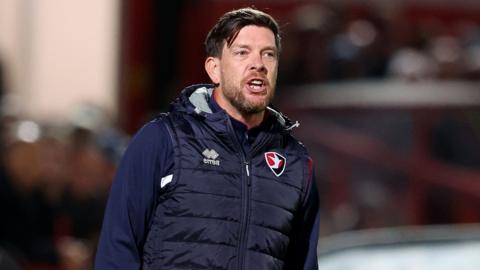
x=198, y=99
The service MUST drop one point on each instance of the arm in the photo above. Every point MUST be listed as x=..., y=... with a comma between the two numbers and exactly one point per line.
x=303, y=248
x=312, y=226
x=132, y=198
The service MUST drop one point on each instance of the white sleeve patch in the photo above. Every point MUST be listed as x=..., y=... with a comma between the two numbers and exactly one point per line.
x=165, y=180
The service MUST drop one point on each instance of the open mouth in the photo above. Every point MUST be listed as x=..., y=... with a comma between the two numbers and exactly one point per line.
x=256, y=85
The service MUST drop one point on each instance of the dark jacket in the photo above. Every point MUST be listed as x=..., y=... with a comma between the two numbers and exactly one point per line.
x=227, y=202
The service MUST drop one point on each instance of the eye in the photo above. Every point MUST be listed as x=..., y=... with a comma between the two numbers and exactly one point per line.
x=270, y=54
x=241, y=52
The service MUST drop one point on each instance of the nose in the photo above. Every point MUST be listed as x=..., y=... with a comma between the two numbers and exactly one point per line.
x=257, y=63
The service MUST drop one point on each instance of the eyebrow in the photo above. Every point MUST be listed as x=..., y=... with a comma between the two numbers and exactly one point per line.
x=273, y=48
x=245, y=46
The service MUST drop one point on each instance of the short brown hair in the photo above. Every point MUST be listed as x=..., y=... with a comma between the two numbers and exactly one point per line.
x=228, y=26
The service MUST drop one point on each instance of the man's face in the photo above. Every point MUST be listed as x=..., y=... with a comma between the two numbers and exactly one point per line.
x=248, y=70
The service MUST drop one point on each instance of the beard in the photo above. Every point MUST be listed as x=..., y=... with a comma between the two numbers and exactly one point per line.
x=241, y=103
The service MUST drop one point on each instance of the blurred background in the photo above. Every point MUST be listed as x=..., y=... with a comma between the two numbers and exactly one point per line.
x=387, y=94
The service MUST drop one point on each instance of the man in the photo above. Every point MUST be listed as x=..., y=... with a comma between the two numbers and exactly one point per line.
x=218, y=182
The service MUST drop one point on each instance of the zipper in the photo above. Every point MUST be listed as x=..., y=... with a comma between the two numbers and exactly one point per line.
x=245, y=218
x=245, y=198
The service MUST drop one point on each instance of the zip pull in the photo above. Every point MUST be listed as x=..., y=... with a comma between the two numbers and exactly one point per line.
x=248, y=174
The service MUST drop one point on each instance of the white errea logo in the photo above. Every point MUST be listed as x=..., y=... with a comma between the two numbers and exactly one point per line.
x=210, y=157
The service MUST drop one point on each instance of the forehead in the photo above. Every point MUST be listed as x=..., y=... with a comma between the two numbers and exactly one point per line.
x=252, y=35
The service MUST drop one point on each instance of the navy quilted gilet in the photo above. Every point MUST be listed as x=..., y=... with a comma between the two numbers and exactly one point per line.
x=225, y=209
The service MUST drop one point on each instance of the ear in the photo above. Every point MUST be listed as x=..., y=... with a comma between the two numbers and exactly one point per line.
x=212, y=66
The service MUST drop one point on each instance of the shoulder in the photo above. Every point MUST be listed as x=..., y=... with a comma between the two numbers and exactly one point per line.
x=152, y=131
x=150, y=138
x=297, y=145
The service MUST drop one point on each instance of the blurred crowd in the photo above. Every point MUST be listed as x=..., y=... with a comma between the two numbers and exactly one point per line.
x=328, y=42
x=54, y=182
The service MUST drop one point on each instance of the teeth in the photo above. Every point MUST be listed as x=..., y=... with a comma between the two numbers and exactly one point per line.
x=256, y=82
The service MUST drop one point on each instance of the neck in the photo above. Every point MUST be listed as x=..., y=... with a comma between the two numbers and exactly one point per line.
x=249, y=120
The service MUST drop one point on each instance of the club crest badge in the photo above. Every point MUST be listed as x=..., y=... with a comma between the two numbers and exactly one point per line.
x=275, y=162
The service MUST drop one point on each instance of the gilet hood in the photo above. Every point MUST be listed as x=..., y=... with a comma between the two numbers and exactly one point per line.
x=195, y=100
